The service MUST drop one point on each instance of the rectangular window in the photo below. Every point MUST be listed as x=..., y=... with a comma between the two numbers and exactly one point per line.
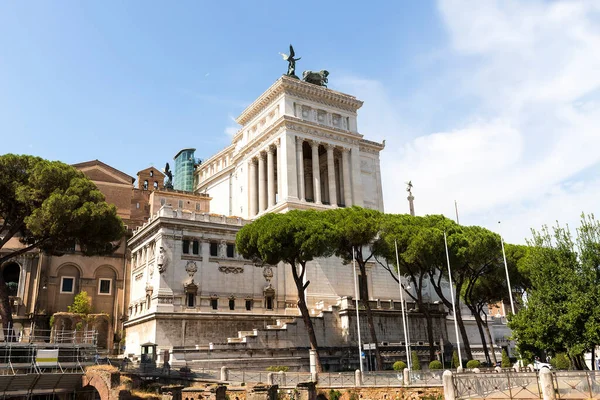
x=197, y=206
x=248, y=305
x=269, y=303
x=191, y=300
x=230, y=250
x=104, y=286
x=195, y=247
x=214, y=303
x=180, y=203
x=162, y=201
x=214, y=249
x=186, y=246
x=67, y=284
x=137, y=205
x=232, y=304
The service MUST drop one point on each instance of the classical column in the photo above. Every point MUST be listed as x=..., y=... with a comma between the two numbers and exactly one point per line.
x=346, y=173
x=270, y=177
x=316, y=172
x=262, y=183
x=279, y=172
x=331, y=175
x=252, y=187
x=300, y=158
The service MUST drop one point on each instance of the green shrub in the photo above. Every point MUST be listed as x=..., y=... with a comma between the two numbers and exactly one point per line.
x=399, y=366
x=473, y=364
x=435, y=364
x=278, y=368
x=334, y=394
x=82, y=304
x=352, y=395
x=560, y=361
x=51, y=321
x=416, y=365
x=455, y=361
x=505, y=360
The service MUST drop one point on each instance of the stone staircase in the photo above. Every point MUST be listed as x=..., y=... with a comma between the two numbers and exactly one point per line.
x=247, y=336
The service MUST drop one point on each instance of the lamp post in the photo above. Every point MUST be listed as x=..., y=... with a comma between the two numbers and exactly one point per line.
x=453, y=302
x=512, y=304
x=404, y=318
x=357, y=313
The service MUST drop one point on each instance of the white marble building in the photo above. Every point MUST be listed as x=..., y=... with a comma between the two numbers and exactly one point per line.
x=191, y=293
x=299, y=147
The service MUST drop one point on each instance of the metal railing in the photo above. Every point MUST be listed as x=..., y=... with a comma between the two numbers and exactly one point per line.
x=34, y=335
x=336, y=379
x=497, y=385
x=383, y=378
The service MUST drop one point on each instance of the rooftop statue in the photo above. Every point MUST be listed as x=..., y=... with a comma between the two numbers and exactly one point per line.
x=291, y=62
x=169, y=175
x=316, y=78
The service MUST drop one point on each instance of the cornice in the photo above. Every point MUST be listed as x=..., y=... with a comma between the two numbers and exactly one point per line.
x=308, y=91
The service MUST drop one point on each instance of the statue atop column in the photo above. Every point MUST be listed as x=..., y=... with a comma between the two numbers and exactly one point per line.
x=291, y=62
x=410, y=198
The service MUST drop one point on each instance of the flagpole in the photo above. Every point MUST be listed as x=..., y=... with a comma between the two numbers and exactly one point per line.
x=453, y=303
x=512, y=304
x=357, y=313
x=404, y=319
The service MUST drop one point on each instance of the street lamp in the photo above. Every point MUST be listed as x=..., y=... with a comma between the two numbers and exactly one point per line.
x=404, y=318
x=453, y=303
x=512, y=304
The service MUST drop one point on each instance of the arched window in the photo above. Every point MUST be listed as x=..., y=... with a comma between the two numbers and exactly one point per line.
x=11, y=274
x=146, y=184
x=155, y=185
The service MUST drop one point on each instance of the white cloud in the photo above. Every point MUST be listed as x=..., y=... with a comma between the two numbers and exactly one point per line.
x=233, y=127
x=527, y=152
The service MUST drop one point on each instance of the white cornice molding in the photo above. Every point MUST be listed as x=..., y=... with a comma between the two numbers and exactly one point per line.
x=298, y=88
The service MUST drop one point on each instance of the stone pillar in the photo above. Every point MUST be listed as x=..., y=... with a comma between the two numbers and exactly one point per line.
x=331, y=175
x=252, y=184
x=312, y=357
x=406, y=376
x=547, y=385
x=306, y=391
x=224, y=373
x=316, y=172
x=262, y=392
x=346, y=173
x=300, y=160
x=357, y=378
x=262, y=183
x=279, y=172
x=449, y=392
x=270, y=177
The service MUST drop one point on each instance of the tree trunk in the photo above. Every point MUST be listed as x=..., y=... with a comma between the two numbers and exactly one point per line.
x=6, y=312
x=486, y=325
x=463, y=334
x=429, y=328
x=479, y=322
x=364, y=297
x=312, y=338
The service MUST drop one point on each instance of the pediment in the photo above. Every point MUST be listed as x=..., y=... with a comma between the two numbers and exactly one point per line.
x=97, y=171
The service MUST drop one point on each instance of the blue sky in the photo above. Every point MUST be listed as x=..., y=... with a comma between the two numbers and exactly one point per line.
x=492, y=104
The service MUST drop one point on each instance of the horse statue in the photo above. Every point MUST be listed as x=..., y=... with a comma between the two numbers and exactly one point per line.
x=316, y=78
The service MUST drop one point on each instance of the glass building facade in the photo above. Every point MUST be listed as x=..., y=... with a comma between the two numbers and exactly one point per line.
x=184, y=170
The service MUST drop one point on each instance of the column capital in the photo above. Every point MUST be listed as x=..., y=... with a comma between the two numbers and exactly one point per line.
x=329, y=146
x=262, y=155
x=271, y=148
x=251, y=161
x=299, y=140
x=345, y=149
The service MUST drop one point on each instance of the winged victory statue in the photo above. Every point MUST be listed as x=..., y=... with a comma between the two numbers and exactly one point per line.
x=291, y=62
